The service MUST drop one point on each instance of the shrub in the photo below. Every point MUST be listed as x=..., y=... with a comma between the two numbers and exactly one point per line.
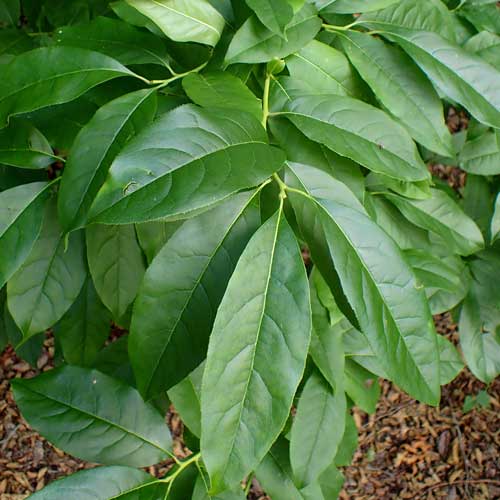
x=244, y=188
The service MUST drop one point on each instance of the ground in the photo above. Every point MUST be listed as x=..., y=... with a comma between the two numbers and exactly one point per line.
x=406, y=450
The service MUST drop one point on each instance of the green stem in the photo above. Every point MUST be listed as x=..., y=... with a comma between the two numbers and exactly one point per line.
x=332, y=27
x=181, y=467
x=249, y=483
x=265, y=100
x=283, y=187
x=177, y=76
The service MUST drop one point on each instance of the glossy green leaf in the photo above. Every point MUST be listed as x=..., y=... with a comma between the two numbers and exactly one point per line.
x=481, y=156
x=52, y=75
x=153, y=235
x=23, y=146
x=359, y=131
x=116, y=265
x=487, y=46
x=21, y=216
x=81, y=411
x=482, y=17
x=454, y=71
x=324, y=69
x=183, y=20
x=402, y=88
x=84, y=328
x=94, y=150
x=495, y=221
x=113, y=360
x=275, y=473
x=178, y=299
x=49, y=280
x=422, y=15
x=479, y=325
x=390, y=307
x=187, y=160
x=355, y=6
x=273, y=14
x=254, y=43
x=443, y=216
x=256, y=354
x=221, y=90
x=316, y=431
x=445, y=279
x=116, y=39
x=103, y=483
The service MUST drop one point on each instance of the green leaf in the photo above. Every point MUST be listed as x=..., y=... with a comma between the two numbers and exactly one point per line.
x=254, y=43
x=84, y=328
x=81, y=412
x=13, y=41
x=422, y=15
x=324, y=70
x=256, y=354
x=116, y=39
x=481, y=156
x=479, y=324
x=116, y=265
x=176, y=306
x=273, y=14
x=361, y=386
x=331, y=482
x=221, y=90
x=21, y=216
x=348, y=444
x=454, y=71
x=441, y=215
x=402, y=88
x=187, y=160
x=113, y=360
x=183, y=20
x=153, y=235
x=94, y=150
x=23, y=146
x=9, y=12
x=450, y=361
x=275, y=473
x=487, y=46
x=316, y=431
x=201, y=493
x=390, y=307
x=478, y=201
x=102, y=483
x=446, y=279
x=359, y=131
x=185, y=396
x=495, y=221
x=49, y=280
x=482, y=17
x=53, y=75
x=355, y=6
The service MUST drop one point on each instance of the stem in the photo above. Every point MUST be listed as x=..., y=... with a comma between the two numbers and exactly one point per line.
x=265, y=101
x=283, y=187
x=177, y=76
x=249, y=483
x=332, y=27
x=182, y=466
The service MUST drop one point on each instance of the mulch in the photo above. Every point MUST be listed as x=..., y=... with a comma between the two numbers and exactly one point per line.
x=406, y=450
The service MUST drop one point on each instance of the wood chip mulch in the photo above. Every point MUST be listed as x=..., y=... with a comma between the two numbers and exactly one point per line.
x=406, y=450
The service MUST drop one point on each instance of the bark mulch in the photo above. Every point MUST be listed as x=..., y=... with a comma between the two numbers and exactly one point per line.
x=406, y=450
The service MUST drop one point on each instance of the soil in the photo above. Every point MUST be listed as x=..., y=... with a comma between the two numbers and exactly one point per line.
x=406, y=450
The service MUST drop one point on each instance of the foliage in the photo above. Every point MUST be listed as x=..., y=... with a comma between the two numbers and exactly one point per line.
x=170, y=166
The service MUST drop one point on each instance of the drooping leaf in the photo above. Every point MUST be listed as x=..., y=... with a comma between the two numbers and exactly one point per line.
x=454, y=71
x=481, y=156
x=359, y=131
x=316, y=431
x=102, y=483
x=390, y=308
x=21, y=216
x=487, y=46
x=361, y=386
x=450, y=361
x=187, y=160
x=23, y=146
x=84, y=328
x=116, y=39
x=95, y=148
x=402, y=88
x=324, y=69
x=52, y=75
x=183, y=20
x=273, y=14
x=49, y=280
x=81, y=411
x=116, y=265
x=221, y=90
x=254, y=43
x=256, y=354
x=176, y=306
x=348, y=444
x=495, y=221
x=443, y=216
